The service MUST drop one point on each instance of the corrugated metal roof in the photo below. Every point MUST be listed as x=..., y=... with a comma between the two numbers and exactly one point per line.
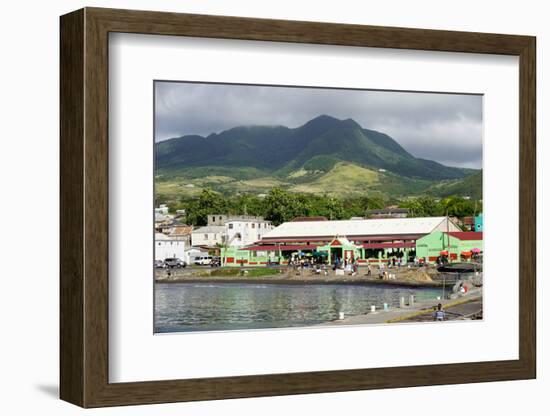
x=350, y=228
x=210, y=229
x=164, y=237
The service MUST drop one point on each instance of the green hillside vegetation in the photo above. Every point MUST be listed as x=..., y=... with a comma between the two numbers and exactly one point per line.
x=318, y=144
x=280, y=205
x=470, y=186
x=325, y=156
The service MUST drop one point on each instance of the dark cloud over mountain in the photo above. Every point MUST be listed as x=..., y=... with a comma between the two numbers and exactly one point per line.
x=443, y=127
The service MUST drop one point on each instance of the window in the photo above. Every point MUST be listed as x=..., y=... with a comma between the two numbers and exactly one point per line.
x=206, y=236
x=213, y=218
x=230, y=226
x=253, y=225
x=259, y=237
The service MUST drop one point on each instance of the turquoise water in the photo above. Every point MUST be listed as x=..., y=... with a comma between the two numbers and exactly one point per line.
x=183, y=307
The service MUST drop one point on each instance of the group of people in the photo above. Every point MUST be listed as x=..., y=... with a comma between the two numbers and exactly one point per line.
x=349, y=265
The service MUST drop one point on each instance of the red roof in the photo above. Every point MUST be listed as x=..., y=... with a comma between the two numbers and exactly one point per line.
x=467, y=235
x=280, y=247
x=388, y=245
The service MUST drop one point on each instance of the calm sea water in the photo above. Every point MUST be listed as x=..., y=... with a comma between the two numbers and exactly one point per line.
x=182, y=307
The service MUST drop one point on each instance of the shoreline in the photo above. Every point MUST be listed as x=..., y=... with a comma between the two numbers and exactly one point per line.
x=306, y=281
x=409, y=313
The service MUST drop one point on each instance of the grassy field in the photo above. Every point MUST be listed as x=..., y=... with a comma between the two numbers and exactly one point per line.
x=344, y=179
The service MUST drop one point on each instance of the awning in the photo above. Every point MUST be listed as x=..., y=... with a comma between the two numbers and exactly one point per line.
x=465, y=253
x=476, y=250
x=389, y=245
x=444, y=253
x=280, y=247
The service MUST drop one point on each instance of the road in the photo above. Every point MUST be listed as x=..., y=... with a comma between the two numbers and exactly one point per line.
x=462, y=311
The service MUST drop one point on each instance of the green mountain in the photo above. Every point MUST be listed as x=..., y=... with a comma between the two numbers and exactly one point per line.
x=315, y=157
x=283, y=150
x=470, y=186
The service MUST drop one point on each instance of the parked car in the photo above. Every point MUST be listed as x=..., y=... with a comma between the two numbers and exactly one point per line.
x=203, y=260
x=174, y=262
x=216, y=261
x=159, y=264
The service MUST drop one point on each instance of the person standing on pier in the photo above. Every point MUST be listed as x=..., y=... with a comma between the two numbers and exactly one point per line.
x=439, y=314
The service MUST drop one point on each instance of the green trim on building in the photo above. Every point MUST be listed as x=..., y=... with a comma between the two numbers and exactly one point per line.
x=432, y=244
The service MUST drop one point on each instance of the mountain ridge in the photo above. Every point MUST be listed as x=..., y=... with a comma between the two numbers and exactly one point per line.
x=280, y=150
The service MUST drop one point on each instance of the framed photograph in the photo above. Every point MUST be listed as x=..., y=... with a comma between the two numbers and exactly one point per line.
x=255, y=207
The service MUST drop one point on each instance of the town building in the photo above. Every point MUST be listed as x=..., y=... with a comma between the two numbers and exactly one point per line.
x=179, y=231
x=168, y=247
x=478, y=223
x=390, y=212
x=163, y=220
x=208, y=236
x=162, y=209
x=368, y=240
x=455, y=245
x=231, y=231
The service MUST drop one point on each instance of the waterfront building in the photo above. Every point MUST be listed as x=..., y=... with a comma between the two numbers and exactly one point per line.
x=368, y=240
x=168, y=247
x=230, y=231
x=459, y=245
x=208, y=236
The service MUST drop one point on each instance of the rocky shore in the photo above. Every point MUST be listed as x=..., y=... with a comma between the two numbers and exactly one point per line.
x=405, y=277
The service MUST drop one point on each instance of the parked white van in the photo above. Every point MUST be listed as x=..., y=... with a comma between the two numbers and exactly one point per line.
x=203, y=260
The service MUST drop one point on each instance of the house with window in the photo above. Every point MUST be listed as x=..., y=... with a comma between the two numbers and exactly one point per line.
x=168, y=247
x=231, y=231
x=208, y=236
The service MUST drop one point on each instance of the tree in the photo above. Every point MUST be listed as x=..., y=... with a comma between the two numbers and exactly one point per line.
x=282, y=206
x=209, y=202
x=424, y=206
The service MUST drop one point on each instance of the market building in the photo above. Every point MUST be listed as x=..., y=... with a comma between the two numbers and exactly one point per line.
x=455, y=245
x=363, y=240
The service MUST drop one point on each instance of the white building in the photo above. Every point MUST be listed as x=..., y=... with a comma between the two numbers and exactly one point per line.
x=208, y=236
x=234, y=231
x=389, y=228
x=166, y=247
x=245, y=232
x=162, y=209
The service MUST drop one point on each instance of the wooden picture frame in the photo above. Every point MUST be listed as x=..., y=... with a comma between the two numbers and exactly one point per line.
x=84, y=207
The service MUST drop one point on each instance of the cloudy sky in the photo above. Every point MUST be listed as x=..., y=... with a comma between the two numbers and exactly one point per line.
x=446, y=128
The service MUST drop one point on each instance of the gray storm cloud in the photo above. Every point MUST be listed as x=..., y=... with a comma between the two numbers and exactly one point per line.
x=443, y=127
